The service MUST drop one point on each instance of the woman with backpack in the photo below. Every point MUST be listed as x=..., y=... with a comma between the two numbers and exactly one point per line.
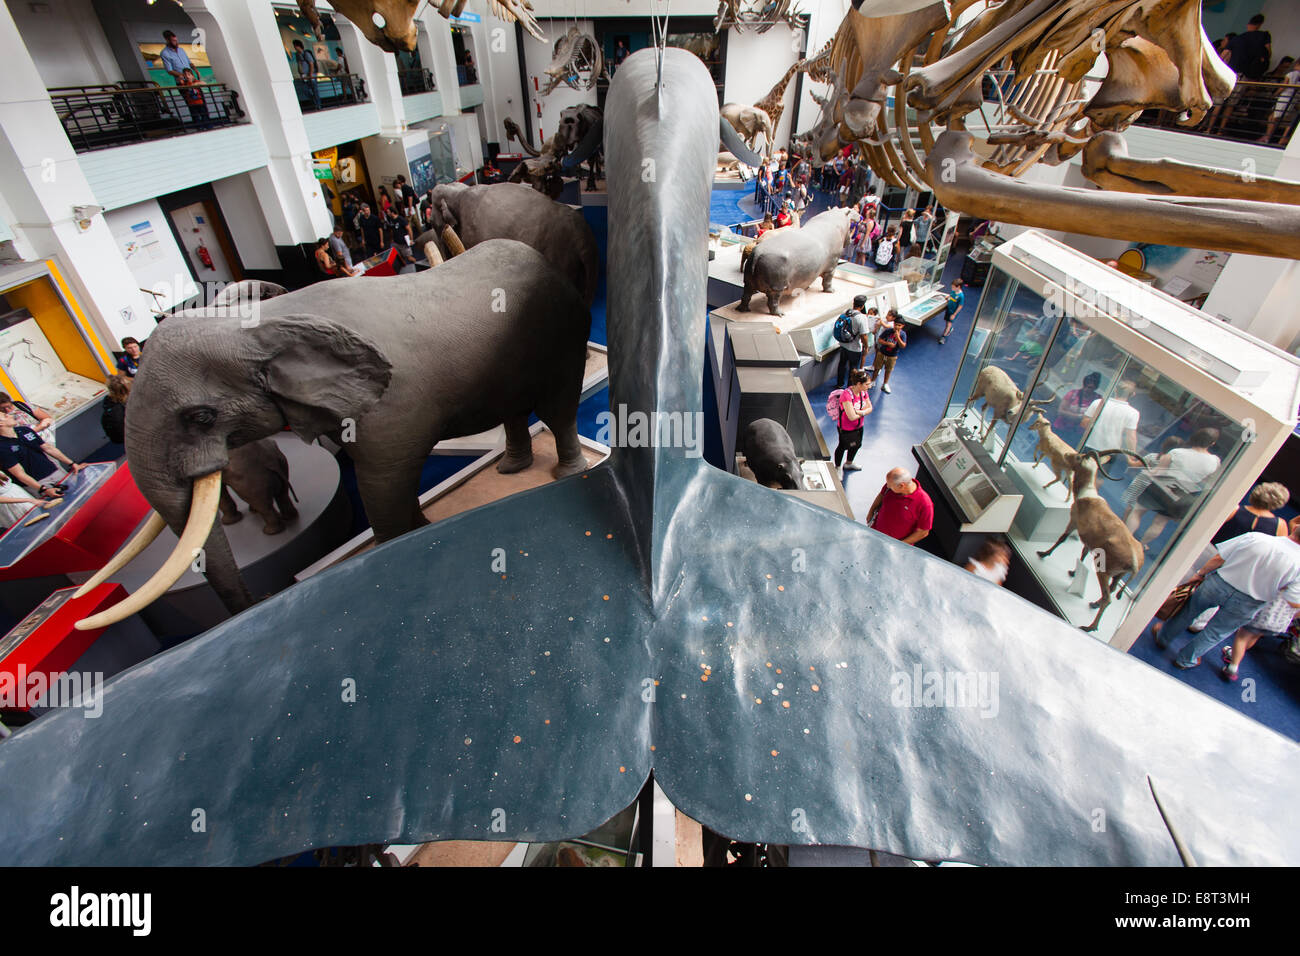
x=887, y=251
x=849, y=406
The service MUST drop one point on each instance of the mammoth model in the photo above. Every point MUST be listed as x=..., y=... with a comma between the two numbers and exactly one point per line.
x=387, y=368
x=792, y=258
x=514, y=211
x=577, y=140
x=259, y=473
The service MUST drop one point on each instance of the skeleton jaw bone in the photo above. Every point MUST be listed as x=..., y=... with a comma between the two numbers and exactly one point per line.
x=960, y=182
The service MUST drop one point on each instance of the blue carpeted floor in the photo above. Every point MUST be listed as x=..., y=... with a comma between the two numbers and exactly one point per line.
x=1268, y=691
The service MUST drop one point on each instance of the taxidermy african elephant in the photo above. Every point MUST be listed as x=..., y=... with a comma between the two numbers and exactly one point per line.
x=791, y=259
x=770, y=454
x=514, y=211
x=749, y=122
x=259, y=473
x=385, y=367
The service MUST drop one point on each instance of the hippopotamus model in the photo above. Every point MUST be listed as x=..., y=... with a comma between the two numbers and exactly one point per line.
x=792, y=258
x=770, y=454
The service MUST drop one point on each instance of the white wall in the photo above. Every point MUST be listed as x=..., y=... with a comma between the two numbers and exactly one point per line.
x=65, y=40
x=755, y=63
x=149, y=249
x=1282, y=19
x=826, y=16
x=386, y=156
x=246, y=222
x=465, y=140
x=496, y=51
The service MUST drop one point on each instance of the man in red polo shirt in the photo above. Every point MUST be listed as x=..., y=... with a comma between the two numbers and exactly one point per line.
x=902, y=510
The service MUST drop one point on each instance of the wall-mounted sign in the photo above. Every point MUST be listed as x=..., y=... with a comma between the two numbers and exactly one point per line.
x=466, y=17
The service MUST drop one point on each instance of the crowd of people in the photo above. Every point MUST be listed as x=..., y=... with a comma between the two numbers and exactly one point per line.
x=393, y=222
x=1250, y=55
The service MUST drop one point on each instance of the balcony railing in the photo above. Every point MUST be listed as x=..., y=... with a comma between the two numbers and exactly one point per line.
x=98, y=117
x=1264, y=113
x=416, y=81
x=323, y=92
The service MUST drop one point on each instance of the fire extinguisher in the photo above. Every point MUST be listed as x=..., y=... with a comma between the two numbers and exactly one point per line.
x=205, y=257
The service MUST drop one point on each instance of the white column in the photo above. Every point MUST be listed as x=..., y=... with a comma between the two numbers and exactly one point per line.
x=380, y=72
x=1259, y=294
x=497, y=56
x=42, y=181
x=246, y=52
x=444, y=58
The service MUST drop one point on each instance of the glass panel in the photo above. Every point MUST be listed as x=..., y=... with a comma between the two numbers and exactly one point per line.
x=982, y=331
x=1014, y=343
x=1103, y=399
x=1183, y=447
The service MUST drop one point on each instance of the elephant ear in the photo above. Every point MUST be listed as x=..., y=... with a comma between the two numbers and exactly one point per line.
x=448, y=219
x=318, y=372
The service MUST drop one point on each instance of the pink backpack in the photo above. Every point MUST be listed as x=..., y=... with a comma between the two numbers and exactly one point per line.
x=833, y=404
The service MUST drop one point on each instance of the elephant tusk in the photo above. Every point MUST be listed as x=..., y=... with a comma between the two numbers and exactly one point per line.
x=433, y=254
x=452, y=241
x=203, y=512
x=144, y=537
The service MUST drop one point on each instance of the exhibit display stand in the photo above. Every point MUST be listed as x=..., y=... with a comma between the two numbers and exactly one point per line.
x=45, y=661
x=45, y=548
x=1065, y=348
x=972, y=497
x=50, y=356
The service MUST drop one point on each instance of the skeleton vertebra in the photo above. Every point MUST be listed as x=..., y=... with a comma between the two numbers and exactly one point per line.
x=1037, y=53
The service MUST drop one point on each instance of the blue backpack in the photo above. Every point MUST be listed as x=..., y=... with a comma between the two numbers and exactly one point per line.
x=843, y=329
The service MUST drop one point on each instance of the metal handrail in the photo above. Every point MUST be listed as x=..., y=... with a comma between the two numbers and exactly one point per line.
x=416, y=81
x=1265, y=113
x=106, y=115
x=334, y=89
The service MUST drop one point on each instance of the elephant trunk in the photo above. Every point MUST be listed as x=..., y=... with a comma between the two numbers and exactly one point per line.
x=191, y=513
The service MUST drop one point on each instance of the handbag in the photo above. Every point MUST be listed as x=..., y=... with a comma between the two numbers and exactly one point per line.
x=1177, y=600
x=1169, y=497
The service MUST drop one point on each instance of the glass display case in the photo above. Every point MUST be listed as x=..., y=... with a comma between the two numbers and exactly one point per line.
x=1065, y=355
x=48, y=356
x=924, y=273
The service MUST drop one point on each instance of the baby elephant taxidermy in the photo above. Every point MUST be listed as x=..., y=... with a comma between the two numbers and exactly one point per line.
x=259, y=473
x=770, y=454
